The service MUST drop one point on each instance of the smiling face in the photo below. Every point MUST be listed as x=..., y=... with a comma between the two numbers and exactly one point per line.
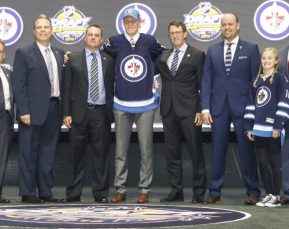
x=42, y=31
x=269, y=59
x=93, y=38
x=177, y=36
x=131, y=25
x=230, y=26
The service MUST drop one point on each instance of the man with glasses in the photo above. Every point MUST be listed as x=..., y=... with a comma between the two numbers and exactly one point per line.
x=181, y=70
x=134, y=101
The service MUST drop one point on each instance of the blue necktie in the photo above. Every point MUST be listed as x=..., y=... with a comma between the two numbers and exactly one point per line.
x=175, y=62
x=94, y=91
x=2, y=101
x=228, y=59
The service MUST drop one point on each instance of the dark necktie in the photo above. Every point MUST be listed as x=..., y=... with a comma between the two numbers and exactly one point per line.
x=2, y=101
x=50, y=69
x=94, y=91
x=175, y=62
x=228, y=58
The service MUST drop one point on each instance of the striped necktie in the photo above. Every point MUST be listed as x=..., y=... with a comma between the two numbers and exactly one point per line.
x=228, y=58
x=175, y=62
x=94, y=91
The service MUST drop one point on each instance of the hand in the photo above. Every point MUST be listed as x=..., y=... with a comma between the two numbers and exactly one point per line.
x=25, y=119
x=275, y=134
x=207, y=118
x=198, y=119
x=250, y=136
x=67, y=121
x=66, y=57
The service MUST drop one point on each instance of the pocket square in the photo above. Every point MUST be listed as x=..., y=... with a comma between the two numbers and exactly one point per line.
x=243, y=57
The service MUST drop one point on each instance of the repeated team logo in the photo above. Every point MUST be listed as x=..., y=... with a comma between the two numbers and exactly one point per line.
x=133, y=68
x=11, y=25
x=204, y=22
x=271, y=19
x=148, y=18
x=263, y=96
x=69, y=25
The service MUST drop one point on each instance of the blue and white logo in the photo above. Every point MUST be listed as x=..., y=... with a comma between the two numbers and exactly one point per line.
x=133, y=68
x=272, y=20
x=11, y=25
x=263, y=96
x=148, y=18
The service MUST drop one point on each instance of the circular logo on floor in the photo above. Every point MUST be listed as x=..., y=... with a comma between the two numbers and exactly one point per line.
x=118, y=216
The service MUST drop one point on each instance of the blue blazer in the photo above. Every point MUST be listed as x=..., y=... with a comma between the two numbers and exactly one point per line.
x=217, y=86
x=31, y=84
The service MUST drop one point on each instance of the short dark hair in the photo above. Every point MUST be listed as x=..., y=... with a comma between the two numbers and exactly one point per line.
x=42, y=16
x=96, y=26
x=178, y=24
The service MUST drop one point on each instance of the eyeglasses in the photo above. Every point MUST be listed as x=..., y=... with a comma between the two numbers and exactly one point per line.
x=175, y=33
x=132, y=22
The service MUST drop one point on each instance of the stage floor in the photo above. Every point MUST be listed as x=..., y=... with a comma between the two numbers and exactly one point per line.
x=232, y=199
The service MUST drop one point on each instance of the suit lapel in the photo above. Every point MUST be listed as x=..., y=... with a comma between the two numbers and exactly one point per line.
x=186, y=56
x=164, y=60
x=84, y=65
x=39, y=57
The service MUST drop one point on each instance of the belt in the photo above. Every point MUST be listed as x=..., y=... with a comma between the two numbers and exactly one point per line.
x=54, y=98
x=93, y=106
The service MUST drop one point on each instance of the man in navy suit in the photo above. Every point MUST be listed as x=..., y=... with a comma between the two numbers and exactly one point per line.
x=284, y=67
x=181, y=112
x=229, y=68
x=36, y=83
x=6, y=114
x=89, y=116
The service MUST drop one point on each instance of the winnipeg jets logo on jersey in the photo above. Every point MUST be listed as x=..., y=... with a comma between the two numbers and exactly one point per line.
x=263, y=96
x=133, y=68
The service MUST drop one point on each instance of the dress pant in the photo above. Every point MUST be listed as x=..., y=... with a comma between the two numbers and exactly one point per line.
x=37, y=149
x=95, y=128
x=175, y=128
x=5, y=139
x=123, y=129
x=220, y=139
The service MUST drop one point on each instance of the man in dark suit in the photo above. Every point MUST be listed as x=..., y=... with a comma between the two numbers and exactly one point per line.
x=181, y=70
x=229, y=68
x=36, y=83
x=89, y=115
x=6, y=114
x=284, y=67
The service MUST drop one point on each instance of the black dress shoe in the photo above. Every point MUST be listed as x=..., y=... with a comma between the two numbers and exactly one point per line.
x=71, y=199
x=251, y=200
x=4, y=201
x=31, y=199
x=101, y=199
x=51, y=200
x=198, y=200
x=171, y=197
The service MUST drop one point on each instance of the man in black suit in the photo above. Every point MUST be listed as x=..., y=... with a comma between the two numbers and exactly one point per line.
x=6, y=114
x=36, y=84
x=87, y=109
x=181, y=70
